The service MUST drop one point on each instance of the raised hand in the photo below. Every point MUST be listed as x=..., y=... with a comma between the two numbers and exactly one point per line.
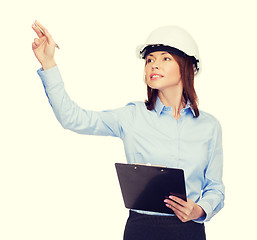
x=44, y=47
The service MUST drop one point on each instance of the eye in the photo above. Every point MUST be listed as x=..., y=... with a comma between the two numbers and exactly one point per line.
x=167, y=59
x=149, y=60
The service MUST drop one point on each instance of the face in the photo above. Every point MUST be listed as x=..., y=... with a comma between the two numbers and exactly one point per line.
x=162, y=71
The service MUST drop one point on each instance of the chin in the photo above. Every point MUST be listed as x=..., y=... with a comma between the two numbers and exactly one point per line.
x=154, y=84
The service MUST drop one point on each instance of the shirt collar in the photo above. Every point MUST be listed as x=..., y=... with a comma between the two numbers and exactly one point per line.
x=159, y=107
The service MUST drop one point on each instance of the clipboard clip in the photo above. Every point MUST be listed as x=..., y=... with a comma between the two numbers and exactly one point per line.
x=148, y=164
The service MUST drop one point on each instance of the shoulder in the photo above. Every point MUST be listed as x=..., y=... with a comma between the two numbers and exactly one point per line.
x=130, y=110
x=136, y=105
x=208, y=119
x=207, y=116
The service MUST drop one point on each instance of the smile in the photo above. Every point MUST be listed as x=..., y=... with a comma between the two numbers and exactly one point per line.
x=155, y=76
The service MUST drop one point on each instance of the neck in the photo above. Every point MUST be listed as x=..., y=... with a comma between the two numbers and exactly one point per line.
x=173, y=98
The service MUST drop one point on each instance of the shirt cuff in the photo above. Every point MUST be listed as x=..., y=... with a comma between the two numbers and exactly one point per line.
x=50, y=77
x=207, y=209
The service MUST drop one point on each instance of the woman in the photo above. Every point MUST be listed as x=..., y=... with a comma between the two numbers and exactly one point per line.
x=168, y=129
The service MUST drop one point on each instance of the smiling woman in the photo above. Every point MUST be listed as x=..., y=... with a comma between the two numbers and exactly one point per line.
x=179, y=77
x=168, y=130
x=162, y=71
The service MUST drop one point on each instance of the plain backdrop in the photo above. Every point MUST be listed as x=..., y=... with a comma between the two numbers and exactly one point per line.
x=56, y=184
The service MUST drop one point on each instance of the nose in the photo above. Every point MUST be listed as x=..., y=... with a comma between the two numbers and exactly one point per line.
x=155, y=66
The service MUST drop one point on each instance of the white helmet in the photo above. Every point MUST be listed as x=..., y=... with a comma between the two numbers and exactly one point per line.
x=173, y=38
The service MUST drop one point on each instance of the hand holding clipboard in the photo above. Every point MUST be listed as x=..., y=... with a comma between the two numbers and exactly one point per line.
x=146, y=187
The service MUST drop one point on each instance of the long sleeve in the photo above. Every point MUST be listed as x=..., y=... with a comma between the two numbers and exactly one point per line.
x=212, y=200
x=153, y=137
x=73, y=117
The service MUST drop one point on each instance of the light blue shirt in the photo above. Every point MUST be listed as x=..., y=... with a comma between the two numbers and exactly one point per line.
x=155, y=137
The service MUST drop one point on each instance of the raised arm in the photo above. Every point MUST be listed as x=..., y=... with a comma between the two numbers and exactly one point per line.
x=67, y=112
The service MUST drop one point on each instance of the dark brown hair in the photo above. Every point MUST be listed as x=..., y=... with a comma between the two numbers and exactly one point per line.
x=187, y=77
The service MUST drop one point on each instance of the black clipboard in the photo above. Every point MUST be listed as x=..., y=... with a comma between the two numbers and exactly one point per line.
x=145, y=187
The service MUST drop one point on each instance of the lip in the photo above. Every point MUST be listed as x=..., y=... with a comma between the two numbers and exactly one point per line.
x=155, y=76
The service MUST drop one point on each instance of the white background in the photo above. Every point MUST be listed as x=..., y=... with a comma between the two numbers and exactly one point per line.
x=55, y=184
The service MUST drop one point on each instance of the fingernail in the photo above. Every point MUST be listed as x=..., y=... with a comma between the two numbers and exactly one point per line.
x=170, y=197
x=166, y=200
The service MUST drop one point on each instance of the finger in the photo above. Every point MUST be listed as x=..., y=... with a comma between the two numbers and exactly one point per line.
x=37, y=41
x=41, y=26
x=182, y=216
x=176, y=206
x=187, y=207
x=37, y=31
x=46, y=33
x=34, y=46
x=179, y=214
x=178, y=200
x=185, y=210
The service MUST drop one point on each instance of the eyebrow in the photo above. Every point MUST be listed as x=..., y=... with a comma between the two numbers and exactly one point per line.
x=161, y=54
